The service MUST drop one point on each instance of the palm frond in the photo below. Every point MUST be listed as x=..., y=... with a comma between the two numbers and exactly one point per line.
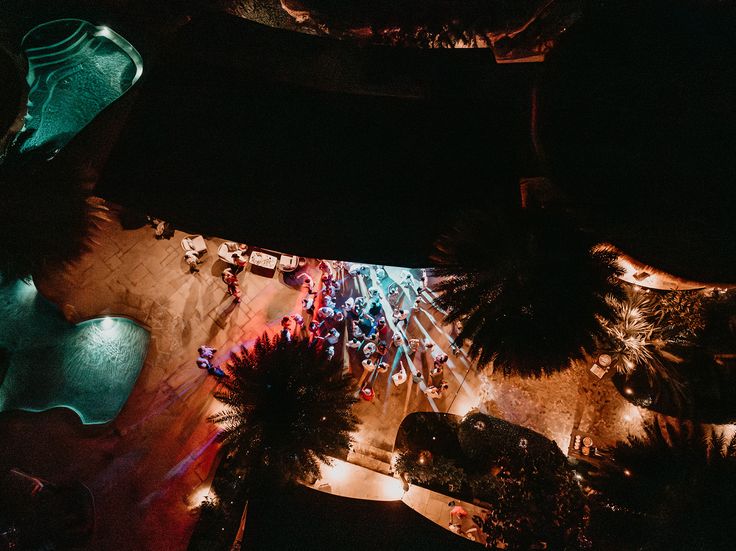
x=286, y=408
x=527, y=289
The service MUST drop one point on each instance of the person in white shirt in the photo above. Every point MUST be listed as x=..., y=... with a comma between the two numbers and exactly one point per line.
x=369, y=349
x=192, y=259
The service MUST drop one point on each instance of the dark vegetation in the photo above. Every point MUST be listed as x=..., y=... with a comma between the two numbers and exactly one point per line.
x=672, y=488
x=527, y=289
x=635, y=122
x=674, y=350
x=286, y=409
x=525, y=480
x=48, y=214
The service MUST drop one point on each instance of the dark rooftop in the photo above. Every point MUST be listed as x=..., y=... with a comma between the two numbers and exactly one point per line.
x=306, y=519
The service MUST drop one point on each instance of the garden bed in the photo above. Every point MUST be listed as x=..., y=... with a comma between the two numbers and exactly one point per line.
x=522, y=477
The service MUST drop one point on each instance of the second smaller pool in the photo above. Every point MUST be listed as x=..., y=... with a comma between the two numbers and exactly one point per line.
x=46, y=362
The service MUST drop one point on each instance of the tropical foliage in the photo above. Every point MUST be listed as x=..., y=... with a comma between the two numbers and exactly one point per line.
x=664, y=347
x=524, y=512
x=641, y=338
x=719, y=332
x=679, y=479
x=287, y=408
x=49, y=216
x=430, y=471
x=220, y=512
x=523, y=476
x=527, y=289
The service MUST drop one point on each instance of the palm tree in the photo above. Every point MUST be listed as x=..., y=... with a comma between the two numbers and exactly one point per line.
x=527, y=289
x=643, y=338
x=665, y=347
x=49, y=216
x=287, y=408
x=679, y=479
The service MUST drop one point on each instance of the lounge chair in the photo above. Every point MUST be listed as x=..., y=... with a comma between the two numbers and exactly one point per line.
x=194, y=243
x=289, y=263
x=227, y=248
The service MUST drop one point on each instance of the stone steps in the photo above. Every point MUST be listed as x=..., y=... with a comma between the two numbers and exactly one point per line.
x=370, y=457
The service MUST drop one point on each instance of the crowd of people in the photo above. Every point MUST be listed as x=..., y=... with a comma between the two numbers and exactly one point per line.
x=349, y=309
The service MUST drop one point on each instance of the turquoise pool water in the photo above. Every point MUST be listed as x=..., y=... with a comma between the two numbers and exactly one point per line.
x=75, y=70
x=47, y=362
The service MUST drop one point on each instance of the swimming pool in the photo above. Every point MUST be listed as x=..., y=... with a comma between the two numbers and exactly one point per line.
x=75, y=70
x=89, y=368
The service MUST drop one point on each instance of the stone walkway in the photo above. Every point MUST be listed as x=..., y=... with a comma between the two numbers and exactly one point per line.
x=348, y=480
x=148, y=467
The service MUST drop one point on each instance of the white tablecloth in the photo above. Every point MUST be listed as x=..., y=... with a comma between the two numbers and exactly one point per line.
x=263, y=260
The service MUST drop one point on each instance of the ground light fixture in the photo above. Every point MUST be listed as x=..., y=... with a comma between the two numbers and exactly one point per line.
x=199, y=494
x=392, y=488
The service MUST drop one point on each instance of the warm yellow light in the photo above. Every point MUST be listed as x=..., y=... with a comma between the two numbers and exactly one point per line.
x=628, y=390
x=392, y=488
x=339, y=471
x=197, y=496
x=627, y=472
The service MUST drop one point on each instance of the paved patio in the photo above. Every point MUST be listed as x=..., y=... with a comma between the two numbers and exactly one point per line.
x=145, y=465
x=148, y=467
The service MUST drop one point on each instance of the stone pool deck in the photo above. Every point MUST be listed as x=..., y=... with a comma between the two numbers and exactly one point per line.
x=146, y=466
x=147, y=469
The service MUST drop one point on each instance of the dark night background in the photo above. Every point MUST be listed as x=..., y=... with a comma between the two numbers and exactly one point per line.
x=323, y=152
x=323, y=147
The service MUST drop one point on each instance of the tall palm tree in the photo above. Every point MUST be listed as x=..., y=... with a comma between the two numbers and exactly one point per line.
x=48, y=215
x=665, y=346
x=679, y=479
x=527, y=289
x=642, y=338
x=287, y=408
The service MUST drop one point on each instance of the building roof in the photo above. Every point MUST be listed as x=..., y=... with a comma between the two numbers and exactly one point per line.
x=318, y=147
x=305, y=519
x=326, y=148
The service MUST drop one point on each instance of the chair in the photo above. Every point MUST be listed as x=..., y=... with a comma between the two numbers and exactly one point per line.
x=194, y=243
x=598, y=371
x=399, y=377
x=288, y=263
x=225, y=251
x=368, y=365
